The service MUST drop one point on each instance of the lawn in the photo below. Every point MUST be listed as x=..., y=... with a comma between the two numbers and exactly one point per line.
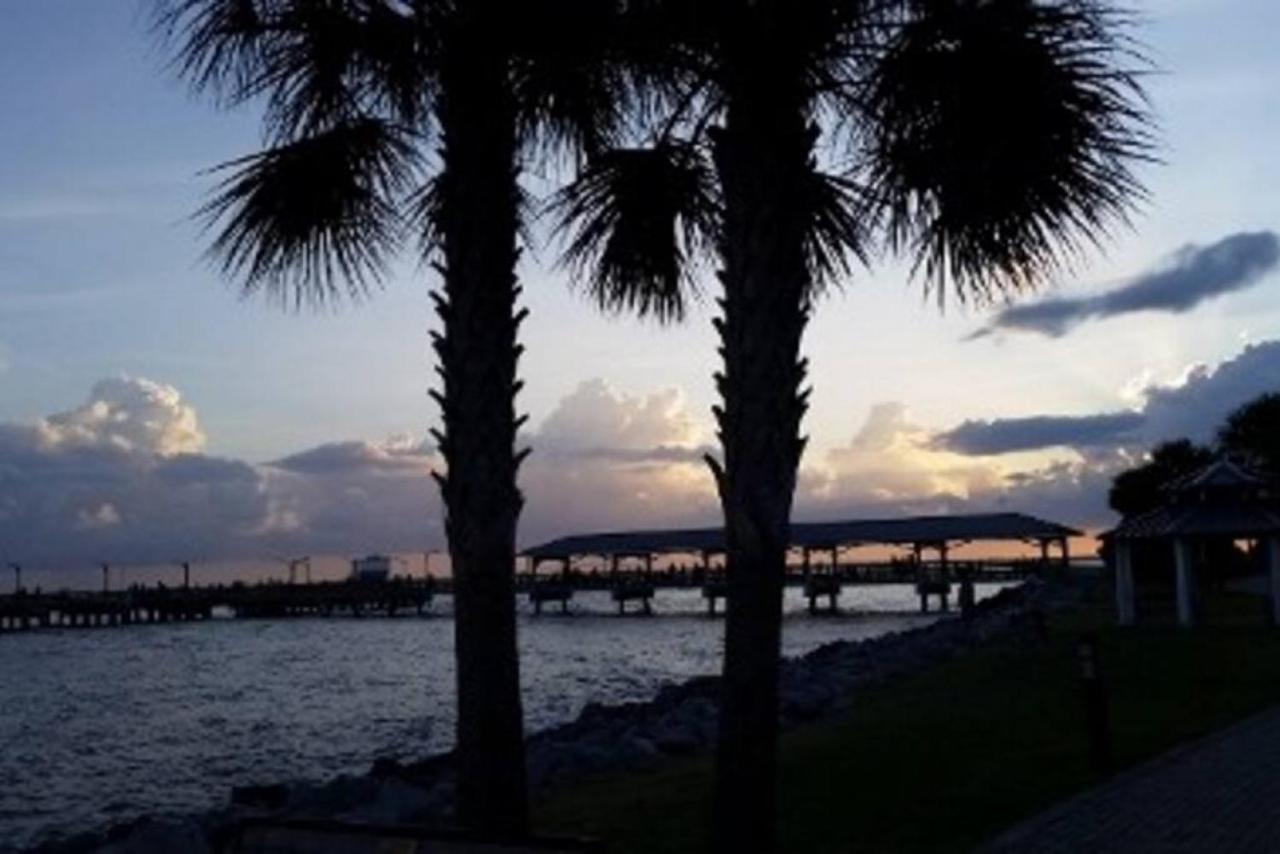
x=945, y=758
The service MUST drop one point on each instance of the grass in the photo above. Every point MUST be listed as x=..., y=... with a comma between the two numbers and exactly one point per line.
x=943, y=759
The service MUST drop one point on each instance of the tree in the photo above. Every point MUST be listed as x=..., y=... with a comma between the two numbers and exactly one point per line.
x=1251, y=436
x=357, y=94
x=1141, y=488
x=992, y=142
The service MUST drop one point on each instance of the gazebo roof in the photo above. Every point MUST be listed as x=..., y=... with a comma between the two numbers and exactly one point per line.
x=1220, y=500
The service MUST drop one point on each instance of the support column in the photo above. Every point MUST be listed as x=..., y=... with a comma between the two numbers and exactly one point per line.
x=1066, y=553
x=1273, y=549
x=1185, y=570
x=1125, y=610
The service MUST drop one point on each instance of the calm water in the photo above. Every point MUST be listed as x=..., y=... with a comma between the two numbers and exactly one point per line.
x=99, y=726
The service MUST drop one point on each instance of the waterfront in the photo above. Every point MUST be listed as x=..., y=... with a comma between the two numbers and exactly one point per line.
x=98, y=727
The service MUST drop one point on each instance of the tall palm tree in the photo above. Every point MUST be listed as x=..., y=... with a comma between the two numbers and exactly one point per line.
x=992, y=141
x=405, y=124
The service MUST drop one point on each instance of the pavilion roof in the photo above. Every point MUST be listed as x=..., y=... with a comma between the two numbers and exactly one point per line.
x=1220, y=500
x=1238, y=520
x=924, y=530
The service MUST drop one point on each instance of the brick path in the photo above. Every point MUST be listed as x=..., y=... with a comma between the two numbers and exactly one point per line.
x=1219, y=794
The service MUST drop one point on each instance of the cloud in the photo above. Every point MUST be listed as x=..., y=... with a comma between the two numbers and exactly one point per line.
x=1194, y=274
x=1193, y=407
x=129, y=415
x=605, y=459
x=125, y=476
x=399, y=455
x=894, y=467
x=1005, y=435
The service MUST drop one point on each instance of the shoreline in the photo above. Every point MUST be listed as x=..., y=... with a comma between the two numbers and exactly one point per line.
x=678, y=721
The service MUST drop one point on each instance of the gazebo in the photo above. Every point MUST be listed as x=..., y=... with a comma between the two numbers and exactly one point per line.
x=1221, y=502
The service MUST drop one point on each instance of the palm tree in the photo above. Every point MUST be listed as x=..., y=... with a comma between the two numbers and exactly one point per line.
x=991, y=141
x=395, y=124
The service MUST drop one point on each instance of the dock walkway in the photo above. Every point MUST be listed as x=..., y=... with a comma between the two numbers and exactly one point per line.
x=1221, y=793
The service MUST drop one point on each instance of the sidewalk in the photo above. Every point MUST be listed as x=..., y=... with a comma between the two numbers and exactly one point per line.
x=1219, y=794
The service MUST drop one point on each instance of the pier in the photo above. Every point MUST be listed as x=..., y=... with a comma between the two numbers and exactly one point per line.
x=27, y=610
x=927, y=564
x=623, y=565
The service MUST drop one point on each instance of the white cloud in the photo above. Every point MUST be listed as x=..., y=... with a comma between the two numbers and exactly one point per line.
x=125, y=477
x=129, y=414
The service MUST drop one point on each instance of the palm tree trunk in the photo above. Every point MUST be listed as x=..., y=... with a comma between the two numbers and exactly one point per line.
x=761, y=155
x=478, y=352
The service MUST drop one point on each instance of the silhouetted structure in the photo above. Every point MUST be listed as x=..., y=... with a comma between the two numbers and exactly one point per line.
x=1221, y=503
x=920, y=533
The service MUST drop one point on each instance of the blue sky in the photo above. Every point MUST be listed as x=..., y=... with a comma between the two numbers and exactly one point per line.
x=101, y=276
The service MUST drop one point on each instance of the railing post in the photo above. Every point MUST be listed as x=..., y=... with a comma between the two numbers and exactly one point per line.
x=1096, y=711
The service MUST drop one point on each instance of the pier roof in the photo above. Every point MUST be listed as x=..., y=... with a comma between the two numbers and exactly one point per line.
x=923, y=530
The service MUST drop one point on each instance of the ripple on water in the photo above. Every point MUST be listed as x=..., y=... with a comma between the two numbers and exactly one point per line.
x=96, y=726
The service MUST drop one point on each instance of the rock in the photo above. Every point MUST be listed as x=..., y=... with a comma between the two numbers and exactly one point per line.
x=160, y=836
x=269, y=797
x=392, y=802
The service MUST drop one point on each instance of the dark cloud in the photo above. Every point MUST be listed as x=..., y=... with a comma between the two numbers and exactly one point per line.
x=1193, y=408
x=895, y=468
x=1195, y=274
x=124, y=478
x=1005, y=435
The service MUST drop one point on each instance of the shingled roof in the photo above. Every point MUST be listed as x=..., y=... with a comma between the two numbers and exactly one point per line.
x=1219, y=500
x=925, y=530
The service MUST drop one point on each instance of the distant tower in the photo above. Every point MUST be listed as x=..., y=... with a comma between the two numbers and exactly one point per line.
x=106, y=577
x=17, y=577
x=186, y=575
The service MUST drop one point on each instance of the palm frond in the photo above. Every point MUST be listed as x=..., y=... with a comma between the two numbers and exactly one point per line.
x=219, y=46
x=317, y=63
x=839, y=225
x=571, y=83
x=303, y=220
x=636, y=221
x=1005, y=137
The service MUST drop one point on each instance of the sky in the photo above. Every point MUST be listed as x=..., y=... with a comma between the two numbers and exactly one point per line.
x=147, y=410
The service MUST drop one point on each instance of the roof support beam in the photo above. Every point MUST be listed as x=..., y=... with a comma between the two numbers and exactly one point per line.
x=1125, y=610
x=1184, y=565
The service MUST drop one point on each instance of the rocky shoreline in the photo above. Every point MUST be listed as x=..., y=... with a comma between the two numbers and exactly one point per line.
x=679, y=721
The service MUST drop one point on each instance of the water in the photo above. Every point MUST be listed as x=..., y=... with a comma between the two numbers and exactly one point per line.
x=98, y=726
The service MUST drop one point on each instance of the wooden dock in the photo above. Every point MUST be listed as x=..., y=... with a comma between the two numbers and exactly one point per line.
x=26, y=610
x=632, y=592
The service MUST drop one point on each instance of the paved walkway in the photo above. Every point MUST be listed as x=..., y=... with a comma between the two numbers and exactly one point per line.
x=1219, y=794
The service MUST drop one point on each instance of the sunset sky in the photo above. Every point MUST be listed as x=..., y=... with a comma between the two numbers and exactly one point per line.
x=145, y=409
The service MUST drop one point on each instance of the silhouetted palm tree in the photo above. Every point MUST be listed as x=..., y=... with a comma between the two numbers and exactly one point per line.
x=395, y=123
x=989, y=140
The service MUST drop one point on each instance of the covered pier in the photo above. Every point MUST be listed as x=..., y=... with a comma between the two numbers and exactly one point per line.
x=922, y=535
